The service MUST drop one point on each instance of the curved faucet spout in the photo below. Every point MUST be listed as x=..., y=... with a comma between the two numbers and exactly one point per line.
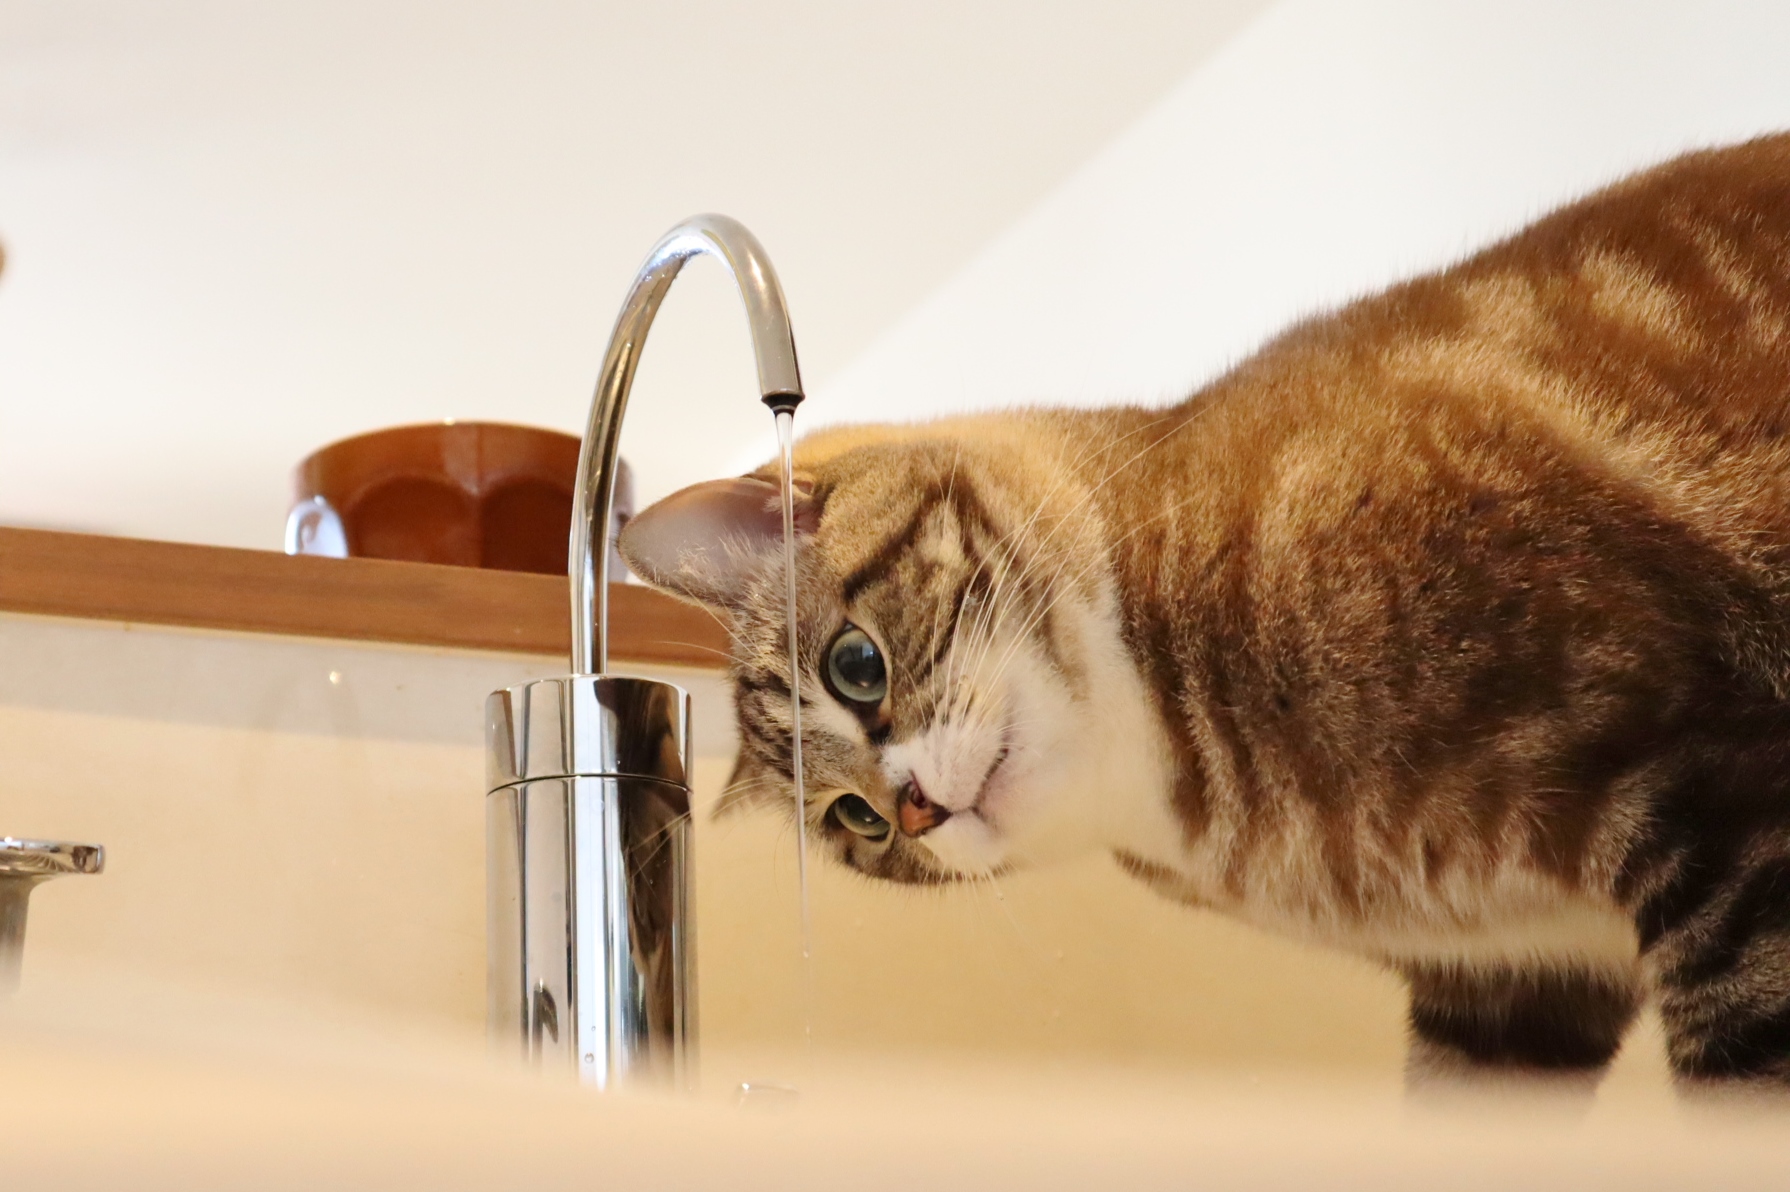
x=779, y=383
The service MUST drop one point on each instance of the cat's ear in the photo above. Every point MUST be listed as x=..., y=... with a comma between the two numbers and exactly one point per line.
x=706, y=542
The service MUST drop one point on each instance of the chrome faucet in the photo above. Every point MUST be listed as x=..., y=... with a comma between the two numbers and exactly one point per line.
x=25, y=864
x=591, y=958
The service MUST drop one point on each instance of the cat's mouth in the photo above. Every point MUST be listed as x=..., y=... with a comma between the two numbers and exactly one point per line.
x=987, y=801
x=917, y=815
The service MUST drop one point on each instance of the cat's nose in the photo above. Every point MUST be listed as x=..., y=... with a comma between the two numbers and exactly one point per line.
x=917, y=814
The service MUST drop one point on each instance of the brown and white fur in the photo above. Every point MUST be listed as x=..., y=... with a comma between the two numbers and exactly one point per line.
x=1452, y=628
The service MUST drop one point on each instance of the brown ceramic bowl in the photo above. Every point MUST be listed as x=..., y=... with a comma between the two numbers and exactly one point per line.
x=469, y=494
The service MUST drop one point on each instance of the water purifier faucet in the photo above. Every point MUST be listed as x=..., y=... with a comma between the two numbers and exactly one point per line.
x=591, y=958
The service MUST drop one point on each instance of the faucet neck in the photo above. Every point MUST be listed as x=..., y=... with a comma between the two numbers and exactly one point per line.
x=779, y=382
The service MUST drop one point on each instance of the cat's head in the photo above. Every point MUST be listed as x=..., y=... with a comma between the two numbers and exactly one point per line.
x=957, y=636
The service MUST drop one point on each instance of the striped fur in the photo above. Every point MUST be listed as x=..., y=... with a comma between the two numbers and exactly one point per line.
x=1452, y=628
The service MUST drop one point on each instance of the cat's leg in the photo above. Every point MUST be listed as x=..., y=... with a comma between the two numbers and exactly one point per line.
x=1481, y=1023
x=1718, y=947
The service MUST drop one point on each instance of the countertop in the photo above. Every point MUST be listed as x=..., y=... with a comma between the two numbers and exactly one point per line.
x=211, y=587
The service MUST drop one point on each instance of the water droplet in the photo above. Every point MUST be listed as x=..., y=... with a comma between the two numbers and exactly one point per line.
x=756, y=1094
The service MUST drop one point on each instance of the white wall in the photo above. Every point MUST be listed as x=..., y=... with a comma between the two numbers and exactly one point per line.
x=1334, y=146
x=239, y=229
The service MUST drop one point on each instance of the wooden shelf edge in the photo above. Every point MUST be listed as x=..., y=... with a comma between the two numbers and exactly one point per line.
x=213, y=587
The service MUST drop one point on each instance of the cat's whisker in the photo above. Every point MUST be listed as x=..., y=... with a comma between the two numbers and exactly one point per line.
x=962, y=642
x=707, y=649
x=938, y=609
x=1061, y=483
x=1094, y=489
x=984, y=635
x=1058, y=590
x=1019, y=636
x=1000, y=898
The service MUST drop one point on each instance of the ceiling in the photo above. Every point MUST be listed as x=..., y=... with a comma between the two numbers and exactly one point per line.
x=237, y=231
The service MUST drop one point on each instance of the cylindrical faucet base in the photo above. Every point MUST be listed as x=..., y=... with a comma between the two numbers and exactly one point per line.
x=589, y=925
x=24, y=864
x=15, y=900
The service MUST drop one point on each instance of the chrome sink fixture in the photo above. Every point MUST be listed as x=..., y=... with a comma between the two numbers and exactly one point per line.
x=23, y=865
x=588, y=831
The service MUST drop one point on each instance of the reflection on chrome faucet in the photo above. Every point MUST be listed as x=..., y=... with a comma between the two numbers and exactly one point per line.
x=24, y=864
x=591, y=963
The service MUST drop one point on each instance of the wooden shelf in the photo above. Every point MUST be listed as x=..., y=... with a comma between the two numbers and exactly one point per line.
x=213, y=587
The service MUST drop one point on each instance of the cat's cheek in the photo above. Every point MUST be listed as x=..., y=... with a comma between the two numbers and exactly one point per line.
x=966, y=846
x=1031, y=800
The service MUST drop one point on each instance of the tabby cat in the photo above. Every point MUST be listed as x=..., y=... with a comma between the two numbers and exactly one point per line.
x=1452, y=628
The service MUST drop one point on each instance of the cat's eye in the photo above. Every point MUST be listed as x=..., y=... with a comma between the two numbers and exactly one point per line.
x=855, y=670
x=855, y=814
